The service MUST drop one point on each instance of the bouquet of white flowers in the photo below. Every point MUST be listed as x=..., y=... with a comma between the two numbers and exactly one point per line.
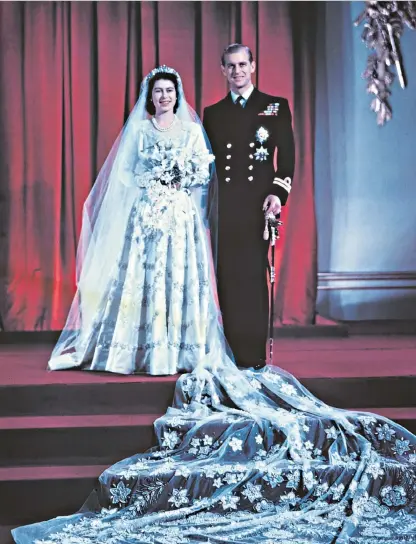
x=175, y=167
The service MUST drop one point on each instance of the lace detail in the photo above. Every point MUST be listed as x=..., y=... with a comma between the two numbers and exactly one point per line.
x=159, y=306
x=225, y=473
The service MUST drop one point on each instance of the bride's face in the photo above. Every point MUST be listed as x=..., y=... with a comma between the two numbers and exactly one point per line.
x=164, y=96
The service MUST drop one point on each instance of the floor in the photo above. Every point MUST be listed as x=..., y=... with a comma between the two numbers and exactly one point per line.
x=307, y=357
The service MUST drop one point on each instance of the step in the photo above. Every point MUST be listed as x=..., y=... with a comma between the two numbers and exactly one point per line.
x=311, y=331
x=146, y=396
x=342, y=357
x=73, y=483
x=314, y=360
x=284, y=331
x=5, y=534
x=83, y=440
x=154, y=396
x=62, y=490
x=74, y=440
x=37, y=493
x=381, y=327
x=388, y=391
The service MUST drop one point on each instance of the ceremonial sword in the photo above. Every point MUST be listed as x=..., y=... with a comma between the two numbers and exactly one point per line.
x=271, y=232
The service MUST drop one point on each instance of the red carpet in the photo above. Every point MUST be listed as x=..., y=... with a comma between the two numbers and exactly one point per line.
x=312, y=357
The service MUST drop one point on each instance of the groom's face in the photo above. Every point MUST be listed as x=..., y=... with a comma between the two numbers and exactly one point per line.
x=238, y=70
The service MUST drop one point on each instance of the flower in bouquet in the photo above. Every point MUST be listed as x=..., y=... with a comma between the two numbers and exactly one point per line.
x=177, y=167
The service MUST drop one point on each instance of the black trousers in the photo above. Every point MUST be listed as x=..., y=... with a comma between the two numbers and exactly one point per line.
x=243, y=293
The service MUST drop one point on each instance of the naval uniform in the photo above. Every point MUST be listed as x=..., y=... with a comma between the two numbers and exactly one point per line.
x=244, y=134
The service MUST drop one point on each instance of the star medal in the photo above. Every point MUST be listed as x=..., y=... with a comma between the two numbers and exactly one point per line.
x=262, y=135
x=261, y=154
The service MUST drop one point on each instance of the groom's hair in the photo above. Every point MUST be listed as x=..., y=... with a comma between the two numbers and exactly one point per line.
x=150, y=107
x=233, y=48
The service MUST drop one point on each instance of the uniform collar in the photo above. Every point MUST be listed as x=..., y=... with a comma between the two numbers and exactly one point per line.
x=246, y=95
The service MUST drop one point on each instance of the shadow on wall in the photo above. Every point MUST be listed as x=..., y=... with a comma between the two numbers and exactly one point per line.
x=362, y=305
x=365, y=183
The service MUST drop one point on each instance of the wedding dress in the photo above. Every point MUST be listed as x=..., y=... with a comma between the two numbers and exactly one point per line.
x=145, y=300
x=246, y=456
x=156, y=316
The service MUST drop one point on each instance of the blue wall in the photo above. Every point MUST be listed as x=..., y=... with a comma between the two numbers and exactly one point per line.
x=365, y=177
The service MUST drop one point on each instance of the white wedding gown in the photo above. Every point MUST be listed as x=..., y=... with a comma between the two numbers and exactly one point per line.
x=156, y=316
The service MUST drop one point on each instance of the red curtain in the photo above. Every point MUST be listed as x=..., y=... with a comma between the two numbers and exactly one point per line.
x=69, y=74
x=297, y=253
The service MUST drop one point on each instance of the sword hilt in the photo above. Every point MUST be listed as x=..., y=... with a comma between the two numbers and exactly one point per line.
x=271, y=228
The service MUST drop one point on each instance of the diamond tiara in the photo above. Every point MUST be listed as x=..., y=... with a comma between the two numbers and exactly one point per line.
x=163, y=69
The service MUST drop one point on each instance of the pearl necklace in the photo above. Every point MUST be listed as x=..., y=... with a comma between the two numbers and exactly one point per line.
x=163, y=129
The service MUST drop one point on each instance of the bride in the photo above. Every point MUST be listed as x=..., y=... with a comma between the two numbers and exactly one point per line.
x=145, y=285
x=242, y=456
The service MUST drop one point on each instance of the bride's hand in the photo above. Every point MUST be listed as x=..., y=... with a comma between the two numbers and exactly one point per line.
x=272, y=205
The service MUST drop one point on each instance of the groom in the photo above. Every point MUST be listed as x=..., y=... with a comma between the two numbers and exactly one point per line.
x=246, y=129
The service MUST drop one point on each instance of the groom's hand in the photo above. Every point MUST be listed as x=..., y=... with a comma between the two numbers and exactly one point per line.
x=272, y=205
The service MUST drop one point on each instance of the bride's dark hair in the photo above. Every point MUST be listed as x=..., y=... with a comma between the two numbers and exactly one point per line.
x=150, y=107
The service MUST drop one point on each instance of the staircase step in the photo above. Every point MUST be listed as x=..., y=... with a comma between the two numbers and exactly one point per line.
x=68, y=399
x=5, y=534
x=316, y=360
x=38, y=493
x=56, y=472
x=54, y=422
x=74, y=440
x=73, y=483
x=82, y=440
x=150, y=396
x=387, y=391
x=311, y=331
x=32, y=492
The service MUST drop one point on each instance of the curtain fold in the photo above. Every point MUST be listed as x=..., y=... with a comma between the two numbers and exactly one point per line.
x=297, y=274
x=69, y=74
